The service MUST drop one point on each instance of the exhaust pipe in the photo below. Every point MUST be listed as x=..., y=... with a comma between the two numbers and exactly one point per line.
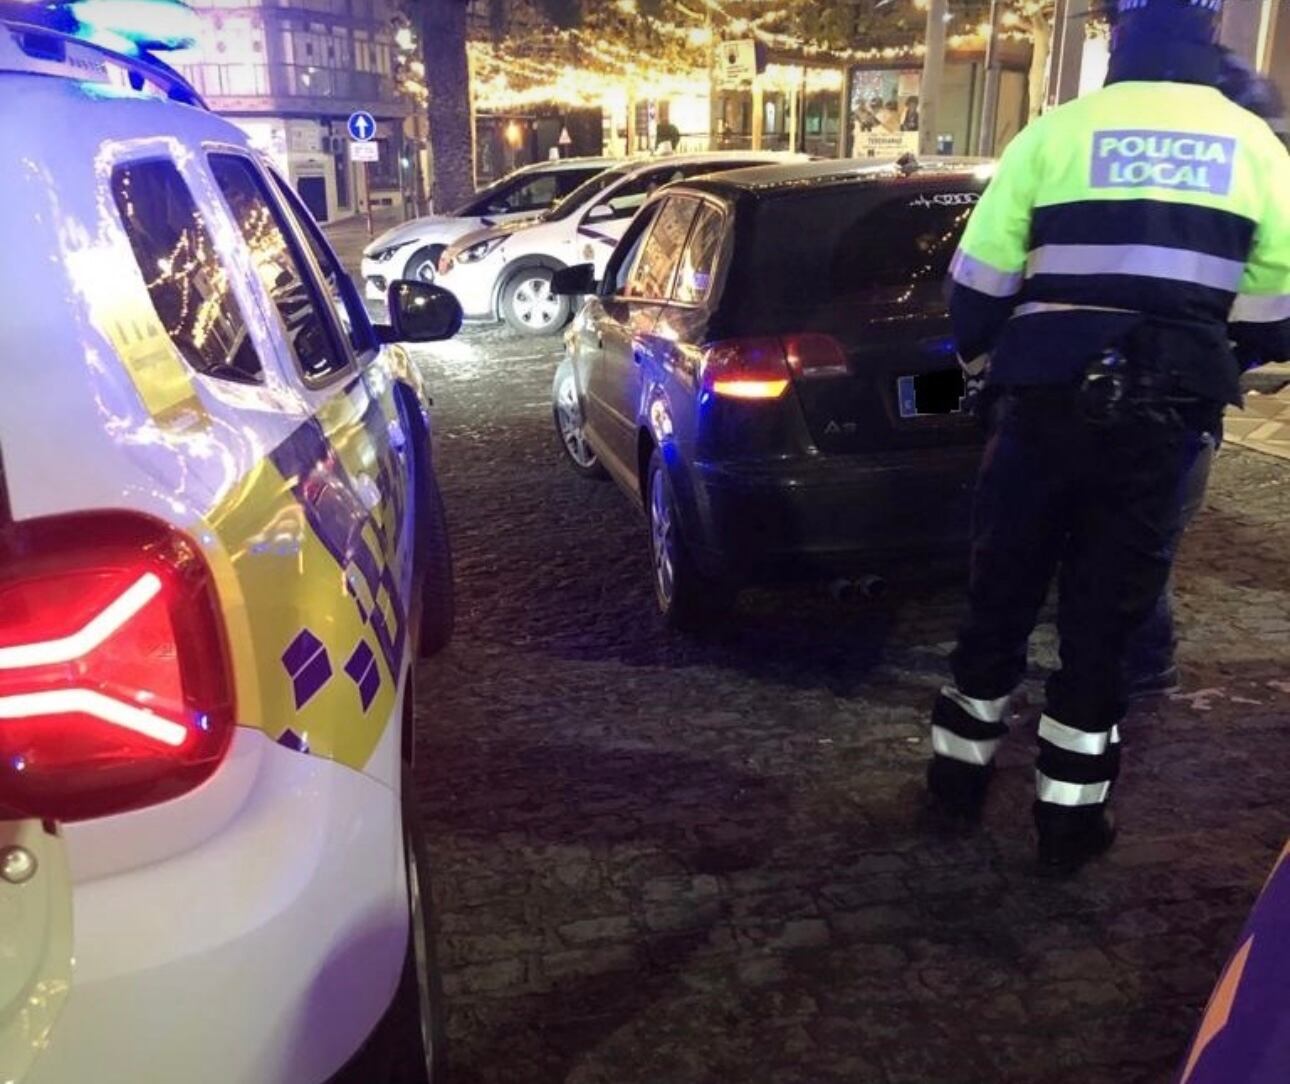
x=866, y=588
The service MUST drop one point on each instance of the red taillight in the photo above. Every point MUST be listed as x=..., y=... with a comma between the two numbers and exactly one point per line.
x=116, y=689
x=812, y=354
x=746, y=369
x=761, y=368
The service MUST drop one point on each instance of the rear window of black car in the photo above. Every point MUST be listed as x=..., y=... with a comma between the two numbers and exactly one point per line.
x=854, y=243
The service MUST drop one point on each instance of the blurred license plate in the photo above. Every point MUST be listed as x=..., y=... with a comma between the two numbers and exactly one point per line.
x=928, y=395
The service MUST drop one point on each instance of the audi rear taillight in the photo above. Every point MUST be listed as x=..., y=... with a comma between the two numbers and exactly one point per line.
x=116, y=689
x=746, y=369
x=812, y=355
x=763, y=367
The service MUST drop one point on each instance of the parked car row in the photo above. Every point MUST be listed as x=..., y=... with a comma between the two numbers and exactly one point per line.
x=504, y=273
x=412, y=251
x=760, y=356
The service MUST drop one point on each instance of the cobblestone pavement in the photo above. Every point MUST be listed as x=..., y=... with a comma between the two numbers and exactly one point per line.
x=1264, y=425
x=669, y=861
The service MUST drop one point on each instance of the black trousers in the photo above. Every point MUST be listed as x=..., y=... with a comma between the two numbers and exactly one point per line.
x=1099, y=506
x=1151, y=648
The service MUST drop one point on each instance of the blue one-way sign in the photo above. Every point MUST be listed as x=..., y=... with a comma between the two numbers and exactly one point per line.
x=362, y=126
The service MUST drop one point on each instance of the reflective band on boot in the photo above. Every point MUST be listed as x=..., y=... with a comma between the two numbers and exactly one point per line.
x=966, y=729
x=1077, y=741
x=1071, y=795
x=987, y=711
x=947, y=744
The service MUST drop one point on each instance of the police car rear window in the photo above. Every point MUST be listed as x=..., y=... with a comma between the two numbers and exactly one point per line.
x=189, y=285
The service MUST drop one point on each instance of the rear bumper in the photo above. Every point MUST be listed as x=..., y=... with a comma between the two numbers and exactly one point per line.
x=265, y=955
x=805, y=517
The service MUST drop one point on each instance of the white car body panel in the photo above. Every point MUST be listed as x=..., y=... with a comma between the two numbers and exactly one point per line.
x=264, y=955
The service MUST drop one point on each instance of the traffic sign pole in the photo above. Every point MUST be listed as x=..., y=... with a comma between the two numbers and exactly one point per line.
x=367, y=185
x=362, y=130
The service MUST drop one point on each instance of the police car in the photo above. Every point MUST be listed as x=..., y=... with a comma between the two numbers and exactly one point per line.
x=505, y=273
x=221, y=550
x=412, y=250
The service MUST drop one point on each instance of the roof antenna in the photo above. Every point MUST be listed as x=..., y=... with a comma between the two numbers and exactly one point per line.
x=908, y=163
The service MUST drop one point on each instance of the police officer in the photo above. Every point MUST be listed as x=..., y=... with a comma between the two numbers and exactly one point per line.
x=1127, y=241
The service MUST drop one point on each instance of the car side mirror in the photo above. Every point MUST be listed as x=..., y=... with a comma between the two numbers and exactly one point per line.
x=601, y=212
x=576, y=281
x=421, y=313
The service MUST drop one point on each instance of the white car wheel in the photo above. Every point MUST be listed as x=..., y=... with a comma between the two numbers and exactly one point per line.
x=529, y=306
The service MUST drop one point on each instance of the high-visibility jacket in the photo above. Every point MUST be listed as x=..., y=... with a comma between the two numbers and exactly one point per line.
x=1146, y=202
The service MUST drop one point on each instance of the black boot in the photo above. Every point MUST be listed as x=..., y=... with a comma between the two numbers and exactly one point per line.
x=1070, y=838
x=958, y=790
x=1155, y=683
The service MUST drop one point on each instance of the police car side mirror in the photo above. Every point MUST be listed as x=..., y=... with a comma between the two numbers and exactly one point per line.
x=421, y=313
x=601, y=212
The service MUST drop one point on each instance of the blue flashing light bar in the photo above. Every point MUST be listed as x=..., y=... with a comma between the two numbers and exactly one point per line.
x=109, y=44
x=131, y=26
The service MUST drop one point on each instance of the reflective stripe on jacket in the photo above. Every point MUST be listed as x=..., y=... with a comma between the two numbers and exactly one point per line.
x=1145, y=200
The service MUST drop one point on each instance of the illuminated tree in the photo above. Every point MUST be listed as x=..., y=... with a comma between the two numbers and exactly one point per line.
x=1038, y=15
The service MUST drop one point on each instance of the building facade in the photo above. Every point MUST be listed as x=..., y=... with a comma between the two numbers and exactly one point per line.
x=290, y=73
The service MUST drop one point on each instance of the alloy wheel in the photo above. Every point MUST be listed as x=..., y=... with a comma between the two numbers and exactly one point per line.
x=662, y=539
x=534, y=304
x=569, y=419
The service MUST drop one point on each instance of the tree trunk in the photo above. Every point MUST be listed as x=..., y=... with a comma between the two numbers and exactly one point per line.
x=452, y=137
x=1041, y=33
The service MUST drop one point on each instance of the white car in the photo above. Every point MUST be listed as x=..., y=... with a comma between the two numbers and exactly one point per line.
x=412, y=250
x=221, y=550
x=505, y=273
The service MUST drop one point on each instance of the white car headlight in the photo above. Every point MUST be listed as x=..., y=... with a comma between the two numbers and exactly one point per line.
x=479, y=250
x=382, y=255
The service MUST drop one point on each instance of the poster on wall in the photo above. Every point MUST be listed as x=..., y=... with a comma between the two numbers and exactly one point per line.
x=884, y=112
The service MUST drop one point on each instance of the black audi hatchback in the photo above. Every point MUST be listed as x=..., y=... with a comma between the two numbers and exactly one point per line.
x=767, y=369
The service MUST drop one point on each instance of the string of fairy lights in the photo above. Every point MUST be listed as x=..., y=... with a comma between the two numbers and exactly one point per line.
x=622, y=53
